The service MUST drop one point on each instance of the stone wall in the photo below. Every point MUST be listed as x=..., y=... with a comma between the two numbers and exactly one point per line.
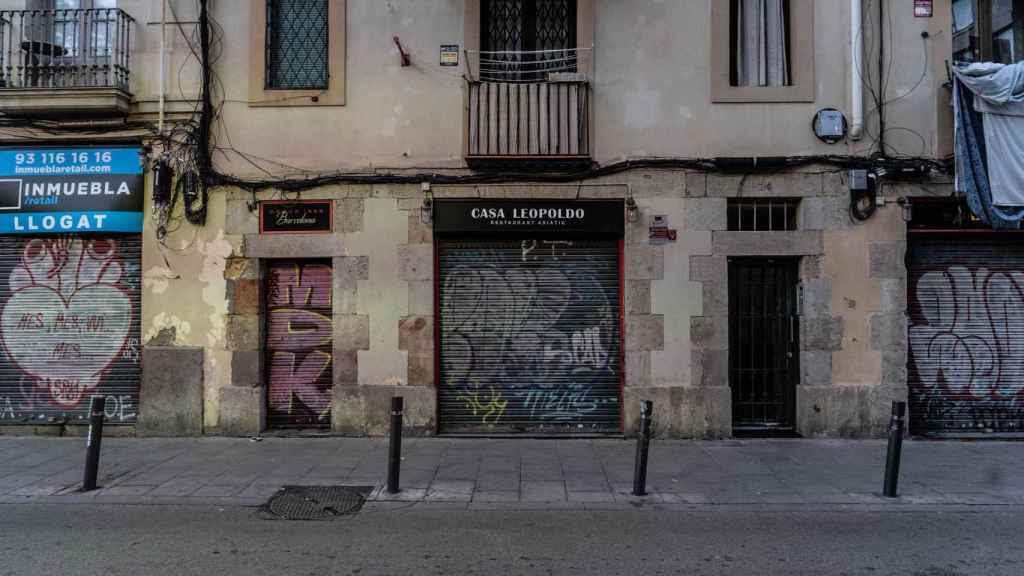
x=853, y=281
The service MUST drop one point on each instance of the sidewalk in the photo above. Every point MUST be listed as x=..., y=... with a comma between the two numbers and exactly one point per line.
x=516, y=474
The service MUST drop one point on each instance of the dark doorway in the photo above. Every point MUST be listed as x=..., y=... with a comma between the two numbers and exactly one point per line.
x=763, y=344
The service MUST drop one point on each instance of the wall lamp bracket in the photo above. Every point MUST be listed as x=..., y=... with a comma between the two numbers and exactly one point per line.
x=406, y=59
x=632, y=211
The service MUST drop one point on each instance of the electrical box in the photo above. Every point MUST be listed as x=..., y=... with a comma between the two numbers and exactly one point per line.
x=830, y=125
x=859, y=180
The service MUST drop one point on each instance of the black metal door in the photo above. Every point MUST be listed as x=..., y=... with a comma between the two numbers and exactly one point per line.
x=763, y=343
x=300, y=336
x=530, y=336
x=69, y=327
x=966, y=336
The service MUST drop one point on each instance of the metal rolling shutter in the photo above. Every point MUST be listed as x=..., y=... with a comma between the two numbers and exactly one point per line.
x=530, y=336
x=966, y=336
x=69, y=324
x=300, y=338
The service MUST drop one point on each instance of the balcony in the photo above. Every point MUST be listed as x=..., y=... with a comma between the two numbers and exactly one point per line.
x=65, y=62
x=525, y=107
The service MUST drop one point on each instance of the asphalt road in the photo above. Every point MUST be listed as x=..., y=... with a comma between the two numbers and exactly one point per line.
x=145, y=540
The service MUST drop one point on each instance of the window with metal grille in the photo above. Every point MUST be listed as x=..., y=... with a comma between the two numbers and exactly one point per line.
x=538, y=33
x=762, y=214
x=297, y=45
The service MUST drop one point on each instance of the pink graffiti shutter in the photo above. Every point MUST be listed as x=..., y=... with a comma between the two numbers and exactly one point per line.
x=69, y=327
x=299, y=344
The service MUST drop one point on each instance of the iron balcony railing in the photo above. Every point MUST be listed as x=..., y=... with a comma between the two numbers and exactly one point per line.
x=533, y=104
x=65, y=48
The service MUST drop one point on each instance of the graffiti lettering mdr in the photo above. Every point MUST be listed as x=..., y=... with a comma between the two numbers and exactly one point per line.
x=67, y=320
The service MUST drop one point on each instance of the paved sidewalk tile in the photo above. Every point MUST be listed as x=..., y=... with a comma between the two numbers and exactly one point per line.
x=543, y=492
x=511, y=474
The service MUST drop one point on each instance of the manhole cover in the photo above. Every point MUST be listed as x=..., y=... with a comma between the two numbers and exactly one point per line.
x=317, y=502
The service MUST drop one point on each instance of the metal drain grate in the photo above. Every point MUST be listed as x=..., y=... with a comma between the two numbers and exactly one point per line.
x=317, y=502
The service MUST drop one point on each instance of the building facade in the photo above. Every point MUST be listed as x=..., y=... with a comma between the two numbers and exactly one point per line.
x=524, y=217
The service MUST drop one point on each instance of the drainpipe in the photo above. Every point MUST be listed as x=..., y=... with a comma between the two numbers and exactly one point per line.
x=163, y=71
x=856, y=65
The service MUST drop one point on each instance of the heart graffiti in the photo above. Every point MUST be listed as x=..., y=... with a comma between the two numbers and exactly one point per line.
x=67, y=320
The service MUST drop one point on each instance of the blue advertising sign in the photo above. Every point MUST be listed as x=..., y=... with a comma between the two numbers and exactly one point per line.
x=65, y=190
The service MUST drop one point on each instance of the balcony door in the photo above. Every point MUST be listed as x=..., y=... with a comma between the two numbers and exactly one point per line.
x=69, y=43
x=525, y=40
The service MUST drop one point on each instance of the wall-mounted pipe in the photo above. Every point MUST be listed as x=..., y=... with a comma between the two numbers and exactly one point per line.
x=163, y=64
x=857, y=69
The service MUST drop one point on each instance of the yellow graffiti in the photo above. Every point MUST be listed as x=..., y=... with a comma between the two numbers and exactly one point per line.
x=490, y=405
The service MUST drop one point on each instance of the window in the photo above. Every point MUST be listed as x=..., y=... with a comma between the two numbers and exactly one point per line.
x=298, y=53
x=988, y=31
x=297, y=44
x=762, y=51
x=759, y=43
x=762, y=214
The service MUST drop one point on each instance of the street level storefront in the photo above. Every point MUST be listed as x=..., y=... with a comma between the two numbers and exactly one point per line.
x=70, y=283
x=529, y=320
x=966, y=333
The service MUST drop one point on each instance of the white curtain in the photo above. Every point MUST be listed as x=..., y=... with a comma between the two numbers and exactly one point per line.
x=761, y=43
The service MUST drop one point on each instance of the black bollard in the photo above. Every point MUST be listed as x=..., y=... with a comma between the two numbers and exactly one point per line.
x=892, y=456
x=643, y=442
x=395, y=445
x=92, y=443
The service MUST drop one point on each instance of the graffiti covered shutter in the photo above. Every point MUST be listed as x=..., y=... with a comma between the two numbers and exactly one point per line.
x=530, y=336
x=299, y=352
x=966, y=336
x=69, y=325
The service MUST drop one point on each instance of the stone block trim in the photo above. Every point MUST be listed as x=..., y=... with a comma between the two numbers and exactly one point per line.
x=706, y=214
x=247, y=368
x=421, y=369
x=243, y=296
x=638, y=297
x=638, y=368
x=351, y=332
x=887, y=260
x=293, y=246
x=348, y=215
x=696, y=184
x=419, y=232
x=242, y=411
x=793, y=185
x=710, y=368
x=241, y=269
x=416, y=262
x=714, y=269
x=346, y=367
x=416, y=334
x=242, y=332
x=802, y=243
x=889, y=332
x=348, y=271
x=710, y=332
x=644, y=262
x=815, y=368
x=821, y=334
x=645, y=332
x=654, y=183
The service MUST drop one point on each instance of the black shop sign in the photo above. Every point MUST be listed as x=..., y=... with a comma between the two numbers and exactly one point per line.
x=296, y=216
x=529, y=216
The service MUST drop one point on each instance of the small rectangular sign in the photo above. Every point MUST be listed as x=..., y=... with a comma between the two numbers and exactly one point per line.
x=923, y=8
x=66, y=190
x=529, y=216
x=449, y=55
x=296, y=217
